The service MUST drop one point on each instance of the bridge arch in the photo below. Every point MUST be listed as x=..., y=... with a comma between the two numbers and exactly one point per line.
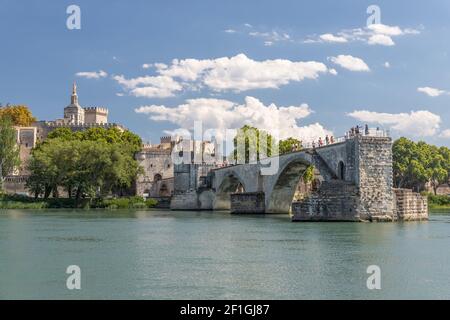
x=281, y=192
x=231, y=183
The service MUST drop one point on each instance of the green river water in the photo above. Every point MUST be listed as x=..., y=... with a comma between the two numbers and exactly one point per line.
x=206, y=255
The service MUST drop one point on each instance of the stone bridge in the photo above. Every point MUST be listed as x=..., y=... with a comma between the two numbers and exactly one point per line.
x=353, y=181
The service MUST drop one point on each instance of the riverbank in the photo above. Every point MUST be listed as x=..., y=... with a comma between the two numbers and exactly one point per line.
x=438, y=202
x=23, y=202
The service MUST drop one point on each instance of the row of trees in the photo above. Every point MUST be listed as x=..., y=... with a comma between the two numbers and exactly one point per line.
x=89, y=163
x=418, y=163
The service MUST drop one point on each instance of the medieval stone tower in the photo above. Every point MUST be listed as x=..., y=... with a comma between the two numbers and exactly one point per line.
x=97, y=115
x=74, y=114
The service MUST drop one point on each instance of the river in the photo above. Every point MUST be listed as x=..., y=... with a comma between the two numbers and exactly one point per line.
x=206, y=255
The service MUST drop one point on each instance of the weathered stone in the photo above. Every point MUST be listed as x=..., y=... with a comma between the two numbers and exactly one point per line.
x=410, y=205
x=354, y=183
x=247, y=202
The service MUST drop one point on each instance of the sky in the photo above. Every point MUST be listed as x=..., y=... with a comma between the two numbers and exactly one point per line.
x=297, y=68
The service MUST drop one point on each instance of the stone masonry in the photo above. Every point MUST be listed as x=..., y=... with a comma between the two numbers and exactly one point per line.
x=410, y=205
x=353, y=182
x=251, y=202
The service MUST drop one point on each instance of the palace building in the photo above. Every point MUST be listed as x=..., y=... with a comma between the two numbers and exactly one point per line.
x=77, y=118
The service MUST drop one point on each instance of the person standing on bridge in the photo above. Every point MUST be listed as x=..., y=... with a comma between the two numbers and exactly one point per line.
x=327, y=140
x=320, y=141
x=331, y=139
x=366, y=130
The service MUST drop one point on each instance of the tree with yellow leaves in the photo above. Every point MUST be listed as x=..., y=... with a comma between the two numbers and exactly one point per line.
x=19, y=115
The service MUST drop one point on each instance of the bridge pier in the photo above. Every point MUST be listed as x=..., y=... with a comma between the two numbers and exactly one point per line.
x=248, y=202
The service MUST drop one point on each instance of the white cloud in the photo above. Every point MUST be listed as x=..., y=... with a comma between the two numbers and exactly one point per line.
x=432, y=92
x=416, y=123
x=146, y=65
x=350, y=63
x=445, y=134
x=333, y=72
x=224, y=114
x=230, y=31
x=271, y=37
x=381, y=39
x=149, y=86
x=379, y=28
x=92, y=74
x=375, y=34
x=240, y=73
x=387, y=64
x=328, y=37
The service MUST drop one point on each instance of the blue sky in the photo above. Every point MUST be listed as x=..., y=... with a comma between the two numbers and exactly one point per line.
x=318, y=58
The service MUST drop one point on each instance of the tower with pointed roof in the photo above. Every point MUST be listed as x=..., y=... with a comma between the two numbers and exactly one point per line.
x=74, y=113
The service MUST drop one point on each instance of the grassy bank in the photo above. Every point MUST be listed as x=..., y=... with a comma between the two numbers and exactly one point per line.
x=23, y=202
x=438, y=202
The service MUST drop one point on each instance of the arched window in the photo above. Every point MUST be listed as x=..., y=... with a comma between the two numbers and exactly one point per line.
x=157, y=177
x=341, y=170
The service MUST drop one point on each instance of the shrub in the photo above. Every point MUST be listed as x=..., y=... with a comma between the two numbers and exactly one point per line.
x=150, y=203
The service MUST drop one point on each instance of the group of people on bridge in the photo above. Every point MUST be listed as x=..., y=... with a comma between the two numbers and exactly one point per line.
x=357, y=130
x=320, y=142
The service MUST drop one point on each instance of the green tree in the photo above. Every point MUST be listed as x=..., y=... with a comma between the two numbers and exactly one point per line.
x=289, y=145
x=82, y=167
x=308, y=175
x=63, y=133
x=249, y=138
x=20, y=115
x=9, y=152
x=416, y=164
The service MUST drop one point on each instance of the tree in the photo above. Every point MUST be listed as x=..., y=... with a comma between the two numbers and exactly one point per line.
x=63, y=133
x=416, y=164
x=20, y=115
x=9, y=151
x=132, y=142
x=308, y=175
x=82, y=167
x=250, y=139
x=289, y=145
